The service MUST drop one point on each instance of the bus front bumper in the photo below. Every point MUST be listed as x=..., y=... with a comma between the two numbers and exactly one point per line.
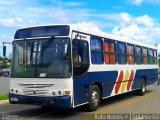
x=57, y=101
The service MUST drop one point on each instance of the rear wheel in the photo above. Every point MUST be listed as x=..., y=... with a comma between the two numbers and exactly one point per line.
x=142, y=90
x=94, y=98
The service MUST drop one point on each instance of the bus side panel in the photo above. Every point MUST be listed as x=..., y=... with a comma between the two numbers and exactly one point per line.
x=151, y=76
x=82, y=84
x=106, y=79
x=80, y=88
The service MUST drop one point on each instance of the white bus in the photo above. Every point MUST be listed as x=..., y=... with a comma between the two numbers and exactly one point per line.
x=65, y=66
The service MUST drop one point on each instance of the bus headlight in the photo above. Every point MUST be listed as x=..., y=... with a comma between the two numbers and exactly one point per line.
x=53, y=93
x=17, y=91
x=12, y=90
x=59, y=92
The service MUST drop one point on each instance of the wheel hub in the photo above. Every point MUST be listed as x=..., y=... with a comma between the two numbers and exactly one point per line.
x=144, y=88
x=95, y=98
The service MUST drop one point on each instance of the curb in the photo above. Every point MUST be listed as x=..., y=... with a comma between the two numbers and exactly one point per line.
x=4, y=102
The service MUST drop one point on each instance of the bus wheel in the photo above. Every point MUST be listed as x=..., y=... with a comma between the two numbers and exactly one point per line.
x=142, y=90
x=94, y=98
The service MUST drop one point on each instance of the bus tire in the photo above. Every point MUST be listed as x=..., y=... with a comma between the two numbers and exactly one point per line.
x=94, y=98
x=142, y=89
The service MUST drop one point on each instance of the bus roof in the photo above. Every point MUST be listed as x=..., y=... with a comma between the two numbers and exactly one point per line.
x=81, y=29
x=114, y=37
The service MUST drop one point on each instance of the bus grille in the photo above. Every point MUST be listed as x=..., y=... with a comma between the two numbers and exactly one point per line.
x=35, y=92
x=35, y=85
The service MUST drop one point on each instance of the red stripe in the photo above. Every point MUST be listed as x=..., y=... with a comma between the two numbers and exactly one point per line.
x=119, y=82
x=131, y=79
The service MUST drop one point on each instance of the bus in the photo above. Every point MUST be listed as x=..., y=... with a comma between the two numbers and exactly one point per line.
x=65, y=66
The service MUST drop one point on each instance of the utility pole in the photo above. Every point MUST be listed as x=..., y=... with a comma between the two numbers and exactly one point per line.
x=4, y=51
x=4, y=48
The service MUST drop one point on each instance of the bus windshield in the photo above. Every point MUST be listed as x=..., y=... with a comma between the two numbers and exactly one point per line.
x=48, y=58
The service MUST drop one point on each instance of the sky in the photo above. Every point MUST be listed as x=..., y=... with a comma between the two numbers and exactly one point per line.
x=134, y=19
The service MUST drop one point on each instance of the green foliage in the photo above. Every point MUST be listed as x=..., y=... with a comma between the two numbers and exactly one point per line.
x=4, y=97
x=6, y=63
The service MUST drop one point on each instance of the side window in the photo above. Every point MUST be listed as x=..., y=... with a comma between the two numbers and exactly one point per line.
x=155, y=57
x=138, y=55
x=150, y=57
x=80, y=57
x=96, y=51
x=130, y=54
x=121, y=53
x=109, y=52
x=144, y=55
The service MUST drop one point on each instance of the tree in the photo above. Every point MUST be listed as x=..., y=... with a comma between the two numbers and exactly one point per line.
x=6, y=63
x=1, y=58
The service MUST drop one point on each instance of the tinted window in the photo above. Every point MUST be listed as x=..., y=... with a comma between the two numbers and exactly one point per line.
x=42, y=31
x=138, y=55
x=109, y=52
x=48, y=58
x=155, y=57
x=130, y=54
x=80, y=52
x=121, y=53
x=150, y=57
x=96, y=50
x=144, y=55
x=80, y=57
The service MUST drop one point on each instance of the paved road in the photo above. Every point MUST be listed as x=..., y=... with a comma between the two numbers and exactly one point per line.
x=123, y=104
x=4, y=85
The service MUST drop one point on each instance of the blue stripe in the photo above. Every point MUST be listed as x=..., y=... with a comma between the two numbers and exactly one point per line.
x=151, y=76
x=82, y=84
x=107, y=79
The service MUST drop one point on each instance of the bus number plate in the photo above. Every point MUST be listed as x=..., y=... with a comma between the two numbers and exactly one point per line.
x=14, y=99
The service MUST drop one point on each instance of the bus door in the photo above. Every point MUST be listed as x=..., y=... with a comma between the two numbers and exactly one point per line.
x=80, y=56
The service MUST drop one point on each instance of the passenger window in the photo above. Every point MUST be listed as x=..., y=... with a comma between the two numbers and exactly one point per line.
x=130, y=54
x=97, y=51
x=109, y=52
x=151, y=57
x=155, y=57
x=138, y=55
x=80, y=57
x=144, y=55
x=121, y=53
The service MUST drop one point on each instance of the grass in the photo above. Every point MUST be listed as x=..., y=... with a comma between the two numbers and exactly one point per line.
x=4, y=97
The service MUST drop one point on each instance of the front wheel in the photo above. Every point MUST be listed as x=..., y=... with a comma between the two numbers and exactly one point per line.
x=94, y=98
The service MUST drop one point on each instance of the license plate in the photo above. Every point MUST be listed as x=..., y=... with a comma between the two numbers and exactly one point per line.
x=14, y=99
